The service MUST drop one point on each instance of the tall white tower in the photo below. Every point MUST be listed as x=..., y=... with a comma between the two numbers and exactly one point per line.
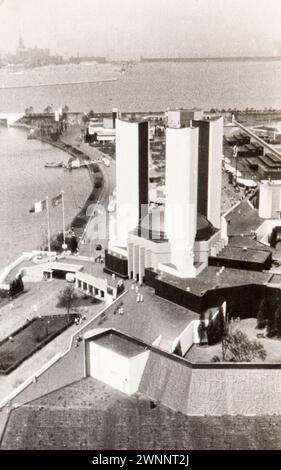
x=181, y=197
x=131, y=175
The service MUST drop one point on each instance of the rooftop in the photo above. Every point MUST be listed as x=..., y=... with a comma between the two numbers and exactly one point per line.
x=244, y=254
x=89, y=415
x=119, y=345
x=242, y=219
x=146, y=320
x=208, y=279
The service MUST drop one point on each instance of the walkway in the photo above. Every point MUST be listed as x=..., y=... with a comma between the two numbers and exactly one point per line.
x=72, y=137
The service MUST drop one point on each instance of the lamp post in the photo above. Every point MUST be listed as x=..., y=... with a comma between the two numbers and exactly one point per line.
x=235, y=154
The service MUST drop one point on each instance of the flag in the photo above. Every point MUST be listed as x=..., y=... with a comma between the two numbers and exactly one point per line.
x=39, y=206
x=56, y=200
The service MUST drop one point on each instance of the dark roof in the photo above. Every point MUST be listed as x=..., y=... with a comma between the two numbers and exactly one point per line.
x=243, y=254
x=152, y=227
x=89, y=415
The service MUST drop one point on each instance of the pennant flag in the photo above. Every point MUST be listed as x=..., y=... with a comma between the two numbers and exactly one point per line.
x=56, y=200
x=39, y=206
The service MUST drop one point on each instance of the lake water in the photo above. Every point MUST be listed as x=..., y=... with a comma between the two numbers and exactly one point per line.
x=145, y=86
x=24, y=180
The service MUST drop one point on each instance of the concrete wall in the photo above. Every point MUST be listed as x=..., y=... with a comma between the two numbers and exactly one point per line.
x=240, y=391
x=136, y=367
x=118, y=371
x=109, y=367
x=186, y=339
x=206, y=389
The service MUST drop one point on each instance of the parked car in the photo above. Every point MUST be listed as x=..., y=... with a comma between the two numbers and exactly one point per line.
x=98, y=247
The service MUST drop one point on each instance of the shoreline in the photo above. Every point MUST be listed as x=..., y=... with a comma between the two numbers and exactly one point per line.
x=79, y=220
x=41, y=85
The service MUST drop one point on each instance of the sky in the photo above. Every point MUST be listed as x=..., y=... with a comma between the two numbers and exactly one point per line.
x=130, y=28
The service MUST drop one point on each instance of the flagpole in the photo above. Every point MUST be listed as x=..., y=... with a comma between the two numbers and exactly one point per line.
x=63, y=218
x=48, y=225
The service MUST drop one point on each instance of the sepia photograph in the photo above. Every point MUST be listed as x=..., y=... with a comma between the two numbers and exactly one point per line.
x=140, y=209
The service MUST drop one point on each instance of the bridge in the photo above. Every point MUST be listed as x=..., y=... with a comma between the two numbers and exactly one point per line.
x=8, y=119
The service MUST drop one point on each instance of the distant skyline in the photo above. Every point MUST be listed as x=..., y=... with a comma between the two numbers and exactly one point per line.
x=131, y=28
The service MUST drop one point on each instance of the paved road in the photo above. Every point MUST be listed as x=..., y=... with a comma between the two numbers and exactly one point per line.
x=109, y=174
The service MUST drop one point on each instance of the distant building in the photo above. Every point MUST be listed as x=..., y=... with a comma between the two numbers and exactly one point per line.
x=270, y=199
x=182, y=117
x=34, y=56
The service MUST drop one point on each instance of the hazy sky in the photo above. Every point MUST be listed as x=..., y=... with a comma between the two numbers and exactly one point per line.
x=127, y=28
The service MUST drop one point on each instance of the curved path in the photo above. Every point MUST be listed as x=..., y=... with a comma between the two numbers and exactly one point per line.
x=72, y=137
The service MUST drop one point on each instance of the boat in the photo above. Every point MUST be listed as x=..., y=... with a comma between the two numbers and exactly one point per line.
x=54, y=164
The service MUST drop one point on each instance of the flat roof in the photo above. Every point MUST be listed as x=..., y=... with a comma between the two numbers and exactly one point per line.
x=208, y=279
x=242, y=219
x=63, y=266
x=119, y=345
x=240, y=254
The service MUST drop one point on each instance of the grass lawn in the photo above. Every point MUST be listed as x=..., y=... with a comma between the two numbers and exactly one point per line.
x=248, y=326
x=30, y=338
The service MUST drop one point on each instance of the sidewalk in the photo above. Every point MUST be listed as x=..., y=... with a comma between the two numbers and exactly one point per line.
x=45, y=296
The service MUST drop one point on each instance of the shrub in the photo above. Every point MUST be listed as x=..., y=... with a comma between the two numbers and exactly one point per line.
x=236, y=347
x=67, y=298
x=262, y=315
x=178, y=350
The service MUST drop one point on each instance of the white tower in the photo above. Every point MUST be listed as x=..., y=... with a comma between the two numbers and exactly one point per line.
x=181, y=198
x=131, y=175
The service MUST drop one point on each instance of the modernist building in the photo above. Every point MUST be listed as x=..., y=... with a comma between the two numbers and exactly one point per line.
x=180, y=239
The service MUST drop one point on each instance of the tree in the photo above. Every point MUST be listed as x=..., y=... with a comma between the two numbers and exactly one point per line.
x=29, y=111
x=277, y=318
x=202, y=329
x=73, y=244
x=237, y=347
x=262, y=315
x=178, y=350
x=91, y=114
x=48, y=109
x=67, y=298
x=221, y=324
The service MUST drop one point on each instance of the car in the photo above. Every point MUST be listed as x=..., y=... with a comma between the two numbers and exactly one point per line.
x=98, y=247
